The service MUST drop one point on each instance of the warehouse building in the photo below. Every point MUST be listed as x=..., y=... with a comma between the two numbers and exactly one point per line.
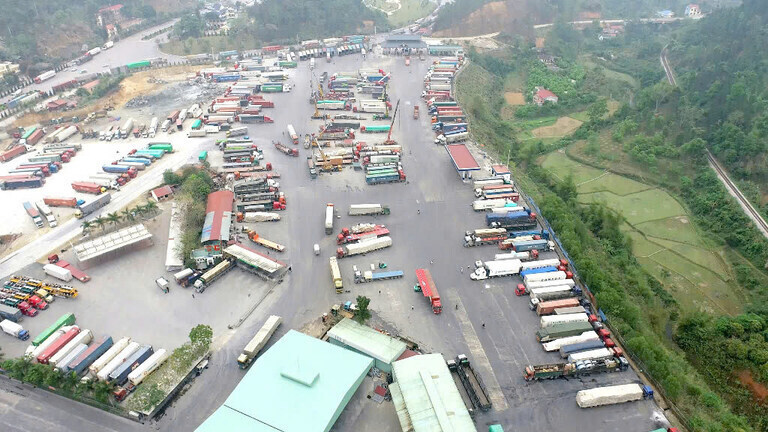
x=425, y=396
x=299, y=384
x=218, y=218
x=255, y=262
x=462, y=160
x=401, y=42
x=362, y=339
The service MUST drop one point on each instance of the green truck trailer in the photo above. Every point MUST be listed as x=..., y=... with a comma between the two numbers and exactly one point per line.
x=138, y=64
x=558, y=331
x=65, y=320
x=166, y=147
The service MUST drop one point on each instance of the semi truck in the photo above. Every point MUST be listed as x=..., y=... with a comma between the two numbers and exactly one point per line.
x=428, y=288
x=46, y=211
x=104, y=359
x=347, y=236
x=611, y=395
x=20, y=182
x=484, y=236
x=562, y=370
x=562, y=330
x=549, y=307
x=338, y=283
x=364, y=246
x=368, y=209
x=259, y=340
x=57, y=272
x=567, y=350
x=80, y=363
x=10, y=313
x=64, y=320
x=137, y=375
x=57, y=345
x=570, y=340
x=211, y=275
x=555, y=292
x=329, y=216
x=83, y=336
x=471, y=382
x=293, y=135
x=522, y=256
x=489, y=204
x=93, y=205
x=287, y=150
x=550, y=320
x=256, y=238
x=14, y=329
x=257, y=217
x=117, y=360
x=34, y=214
x=373, y=276
x=120, y=374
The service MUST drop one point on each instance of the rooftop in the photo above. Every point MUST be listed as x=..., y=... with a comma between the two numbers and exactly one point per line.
x=254, y=259
x=544, y=93
x=404, y=41
x=162, y=191
x=367, y=340
x=111, y=242
x=299, y=384
x=462, y=158
x=425, y=396
x=218, y=216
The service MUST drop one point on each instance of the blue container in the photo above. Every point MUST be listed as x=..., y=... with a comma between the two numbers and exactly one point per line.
x=538, y=270
x=87, y=357
x=119, y=375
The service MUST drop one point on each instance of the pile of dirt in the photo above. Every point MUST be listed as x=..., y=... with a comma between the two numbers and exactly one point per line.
x=510, y=16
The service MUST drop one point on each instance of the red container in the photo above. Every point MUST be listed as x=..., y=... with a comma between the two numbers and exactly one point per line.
x=87, y=187
x=61, y=202
x=12, y=153
x=57, y=345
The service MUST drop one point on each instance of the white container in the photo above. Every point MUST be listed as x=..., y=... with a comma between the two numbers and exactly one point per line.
x=84, y=336
x=57, y=272
x=551, y=320
x=609, y=395
x=117, y=361
x=556, y=344
x=109, y=355
x=593, y=354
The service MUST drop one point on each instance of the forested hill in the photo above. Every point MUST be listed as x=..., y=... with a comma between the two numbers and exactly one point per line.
x=722, y=68
x=309, y=19
x=52, y=30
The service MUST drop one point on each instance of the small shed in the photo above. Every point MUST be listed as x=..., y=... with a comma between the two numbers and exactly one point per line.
x=462, y=159
x=90, y=85
x=56, y=105
x=364, y=340
x=161, y=193
x=501, y=171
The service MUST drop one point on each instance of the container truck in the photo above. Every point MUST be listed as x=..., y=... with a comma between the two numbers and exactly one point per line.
x=522, y=256
x=489, y=269
x=481, y=237
x=545, y=277
x=293, y=135
x=329, y=216
x=34, y=214
x=44, y=76
x=20, y=182
x=64, y=320
x=556, y=292
x=12, y=153
x=33, y=351
x=83, y=336
x=257, y=217
x=80, y=363
x=45, y=211
x=336, y=275
x=594, y=354
x=259, y=340
x=120, y=374
x=211, y=275
x=87, y=187
x=428, y=288
x=368, y=209
x=13, y=329
x=611, y=395
x=562, y=370
x=488, y=204
x=10, y=313
x=541, y=245
x=109, y=355
x=364, y=246
x=117, y=360
x=566, y=350
x=57, y=272
x=66, y=133
x=136, y=376
x=57, y=345
x=93, y=205
x=62, y=365
x=374, y=276
x=562, y=330
x=550, y=320
x=549, y=307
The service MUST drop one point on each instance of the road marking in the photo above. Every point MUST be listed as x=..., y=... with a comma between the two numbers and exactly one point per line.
x=498, y=399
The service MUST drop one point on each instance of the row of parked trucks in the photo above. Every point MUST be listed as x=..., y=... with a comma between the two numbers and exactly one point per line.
x=69, y=349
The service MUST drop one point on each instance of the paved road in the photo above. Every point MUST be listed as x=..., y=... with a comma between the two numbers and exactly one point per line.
x=24, y=409
x=124, y=51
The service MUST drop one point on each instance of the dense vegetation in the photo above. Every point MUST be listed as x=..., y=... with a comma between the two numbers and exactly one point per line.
x=195, y=185
x=699, y=358
x=54, y=30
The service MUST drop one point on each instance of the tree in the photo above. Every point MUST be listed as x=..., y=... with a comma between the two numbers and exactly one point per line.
x=597, y=110
x=363, y=314
x=189, y=26
x=86, y=226
x=127, y=215
x=201, y=333
x=10, y=79
x=139, y=209
x=171, y=178
x=150, y=207
x=81, y=92
x=113, y=218
x=100, y=221
x=196, y=187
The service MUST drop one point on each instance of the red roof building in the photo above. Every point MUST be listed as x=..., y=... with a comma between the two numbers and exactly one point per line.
x=218, y=217
x=162, y=192
x=542, y=95
x=113, y=8
x=462, y=159
x=56, y=105
x=90, y=85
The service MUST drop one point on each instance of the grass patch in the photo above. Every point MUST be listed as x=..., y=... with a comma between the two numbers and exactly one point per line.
x=410, y=11
x=610, y=73
x=675, y=228
x=640, y=207
x=560, y=165
x=616, y=184
x=563, y=126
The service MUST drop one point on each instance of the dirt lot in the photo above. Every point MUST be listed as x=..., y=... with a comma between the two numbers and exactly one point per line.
x=513, y=98
x=562, y=127
x=150, y=81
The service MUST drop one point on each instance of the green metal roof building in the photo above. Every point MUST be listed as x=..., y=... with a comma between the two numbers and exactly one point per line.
x=367, y=341
x=299, y=384
x=426, y=398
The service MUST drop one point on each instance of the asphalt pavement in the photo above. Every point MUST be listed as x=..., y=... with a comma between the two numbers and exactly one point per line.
x=430, y=213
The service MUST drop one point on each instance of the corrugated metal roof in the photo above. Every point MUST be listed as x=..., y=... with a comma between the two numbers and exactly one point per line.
x=400, y=409
x=367, y=340
x=254, y=259
x=299, y=384
x=430, y=394
x=218, y=216
x=111, y=242
x=462, y=158
x=173, y=258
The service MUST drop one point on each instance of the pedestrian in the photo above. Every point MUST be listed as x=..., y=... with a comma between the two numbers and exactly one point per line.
x=461, y=269
x=193, y=295
x=431, y=261
x=418, y=211
x=379, y=291
x=457, y=306
x=411, y=307
x=483, y=325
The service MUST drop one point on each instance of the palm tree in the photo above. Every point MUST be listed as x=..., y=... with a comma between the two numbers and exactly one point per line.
x=113, y=218
x=128, y=215
x=100, y=221
x=86, y=226
x=139, y=209
x=150, y=206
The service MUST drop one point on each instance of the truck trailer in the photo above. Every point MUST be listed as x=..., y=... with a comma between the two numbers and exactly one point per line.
x=611, y=395
x=259, y=340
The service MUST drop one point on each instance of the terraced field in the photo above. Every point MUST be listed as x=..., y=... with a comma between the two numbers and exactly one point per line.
x=663, y=239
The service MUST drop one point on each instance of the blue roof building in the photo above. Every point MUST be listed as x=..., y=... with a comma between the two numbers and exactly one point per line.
x=299, y=384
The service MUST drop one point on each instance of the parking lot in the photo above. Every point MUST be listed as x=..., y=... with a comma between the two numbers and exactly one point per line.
x=429, y=215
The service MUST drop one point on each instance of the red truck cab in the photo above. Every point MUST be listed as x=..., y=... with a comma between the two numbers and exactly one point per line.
x=26, y=309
